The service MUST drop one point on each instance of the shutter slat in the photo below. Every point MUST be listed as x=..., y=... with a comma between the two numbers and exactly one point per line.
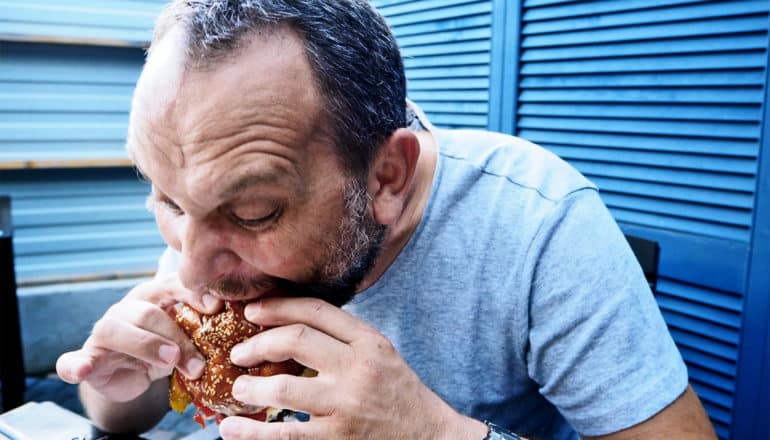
x=692, y=129
x=719, y=61
x=668, y=176
x=728, y=148
x=598, y=7
x=662, y=221
x=687, y=13
x=650, y=32
x=672, y=111
x=755, y=41
x=674, y=192
x=738, y=77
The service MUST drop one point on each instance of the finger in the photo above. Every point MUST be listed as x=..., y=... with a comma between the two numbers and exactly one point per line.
x=297, y=393
x=152, y=318
x=74, y=366
x=122, y=337
x=304, y=344
x=316, y=313
x=242, y=428
x=167, y=290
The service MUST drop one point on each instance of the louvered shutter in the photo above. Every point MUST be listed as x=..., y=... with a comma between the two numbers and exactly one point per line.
x=104, y=22
x=660, y=104
x=446, y=45
x=80, y=224
x=77, y=206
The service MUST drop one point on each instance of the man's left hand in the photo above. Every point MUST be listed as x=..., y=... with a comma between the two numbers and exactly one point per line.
x=364, y=389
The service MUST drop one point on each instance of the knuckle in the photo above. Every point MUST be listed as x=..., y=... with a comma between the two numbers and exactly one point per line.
x=317, y=305
x=287, y=432
x=299, y=333
x=282, y=389
x=382, y=343
x=104, y=329
x=145, y=314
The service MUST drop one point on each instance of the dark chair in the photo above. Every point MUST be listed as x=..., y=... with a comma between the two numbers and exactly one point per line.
x=11, y=358
x=648, y=254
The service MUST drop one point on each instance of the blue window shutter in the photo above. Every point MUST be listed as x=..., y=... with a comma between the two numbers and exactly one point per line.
x=67, y=73
x=80, y=224
x=446, y=46
x=65, y=102
x=659, y=102
x=104, y=23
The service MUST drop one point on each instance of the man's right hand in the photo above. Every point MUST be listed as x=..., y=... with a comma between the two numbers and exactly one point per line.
x=137, y=342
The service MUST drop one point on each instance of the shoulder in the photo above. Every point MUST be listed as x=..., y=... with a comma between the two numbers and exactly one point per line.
x=515, y=160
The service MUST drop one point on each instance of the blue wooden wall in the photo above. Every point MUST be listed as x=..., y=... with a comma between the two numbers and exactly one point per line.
x=661, y=104
x=67, y=73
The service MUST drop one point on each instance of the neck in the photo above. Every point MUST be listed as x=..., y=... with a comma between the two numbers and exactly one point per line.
x=398, y=234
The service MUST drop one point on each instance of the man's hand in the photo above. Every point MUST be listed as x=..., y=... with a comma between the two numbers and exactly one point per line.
x=364, y=389
x=137, y=342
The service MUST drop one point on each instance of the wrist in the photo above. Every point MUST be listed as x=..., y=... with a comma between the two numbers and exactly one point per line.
x=464, y=427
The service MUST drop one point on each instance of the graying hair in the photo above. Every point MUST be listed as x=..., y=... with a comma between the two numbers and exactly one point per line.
x=354, y=56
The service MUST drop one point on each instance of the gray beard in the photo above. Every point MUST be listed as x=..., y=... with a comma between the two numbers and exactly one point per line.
x=352, y=257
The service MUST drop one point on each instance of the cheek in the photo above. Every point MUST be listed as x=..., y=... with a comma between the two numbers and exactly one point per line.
x=295, y=250
x=169, y=229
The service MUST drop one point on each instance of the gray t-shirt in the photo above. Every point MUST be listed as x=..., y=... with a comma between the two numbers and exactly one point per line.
x=517, y=299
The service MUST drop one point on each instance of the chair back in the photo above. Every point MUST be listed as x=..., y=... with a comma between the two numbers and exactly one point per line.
x=648, y=254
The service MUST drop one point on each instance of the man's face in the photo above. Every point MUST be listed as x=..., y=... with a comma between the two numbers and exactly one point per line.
x=246, y=183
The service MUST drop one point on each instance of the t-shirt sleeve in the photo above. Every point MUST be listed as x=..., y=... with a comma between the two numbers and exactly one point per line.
x=599, y=348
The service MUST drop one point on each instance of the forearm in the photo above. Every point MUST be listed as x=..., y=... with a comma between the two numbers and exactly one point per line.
x=135, y=416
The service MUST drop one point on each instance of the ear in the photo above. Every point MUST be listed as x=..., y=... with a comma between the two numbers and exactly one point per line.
x=391, y=175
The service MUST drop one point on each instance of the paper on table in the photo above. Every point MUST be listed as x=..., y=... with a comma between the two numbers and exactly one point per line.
x=45, y=420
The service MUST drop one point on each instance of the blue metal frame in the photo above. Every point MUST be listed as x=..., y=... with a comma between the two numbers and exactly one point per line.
x=504, y=76
x=752, y=405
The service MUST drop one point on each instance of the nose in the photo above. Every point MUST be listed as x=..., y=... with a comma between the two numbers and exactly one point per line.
x=205, y=254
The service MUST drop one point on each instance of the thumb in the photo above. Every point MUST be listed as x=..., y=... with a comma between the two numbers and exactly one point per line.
x=74, y=366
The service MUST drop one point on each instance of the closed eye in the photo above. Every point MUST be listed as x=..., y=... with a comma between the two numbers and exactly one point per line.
x=257, y=222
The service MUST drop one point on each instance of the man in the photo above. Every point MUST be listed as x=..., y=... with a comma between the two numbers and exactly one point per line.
x=483, y=278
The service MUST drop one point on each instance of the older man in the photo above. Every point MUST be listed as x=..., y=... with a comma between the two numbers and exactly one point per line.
x=482, y=278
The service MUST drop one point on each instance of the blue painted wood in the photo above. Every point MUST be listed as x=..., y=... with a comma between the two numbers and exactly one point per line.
x=684, y=13
x=753, y=385
x=573, y=9
x=640, y=111
x=712, y=263
x=110, y=22
x=724, y=147
x=727, y=26
x=743, y=77
x=65, y=102
x=504, y=81
x=447, y=48
x=77, y=223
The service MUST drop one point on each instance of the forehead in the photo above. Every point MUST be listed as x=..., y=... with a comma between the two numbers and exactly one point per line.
x=261, y=102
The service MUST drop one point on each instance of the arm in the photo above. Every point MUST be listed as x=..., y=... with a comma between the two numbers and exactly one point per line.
x=135, y=416
x=684, y=419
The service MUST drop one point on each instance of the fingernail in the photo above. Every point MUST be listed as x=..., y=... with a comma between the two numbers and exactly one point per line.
x=209, y=301
x=251, y=310
x=195, y=367
x=239, y=387
x=231, y=427
x=167, y=353
x=237, y=353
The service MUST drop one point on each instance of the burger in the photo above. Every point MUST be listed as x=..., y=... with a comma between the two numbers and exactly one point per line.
x=215, y=336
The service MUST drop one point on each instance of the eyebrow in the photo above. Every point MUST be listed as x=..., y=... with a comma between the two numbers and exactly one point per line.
x=251, y=179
